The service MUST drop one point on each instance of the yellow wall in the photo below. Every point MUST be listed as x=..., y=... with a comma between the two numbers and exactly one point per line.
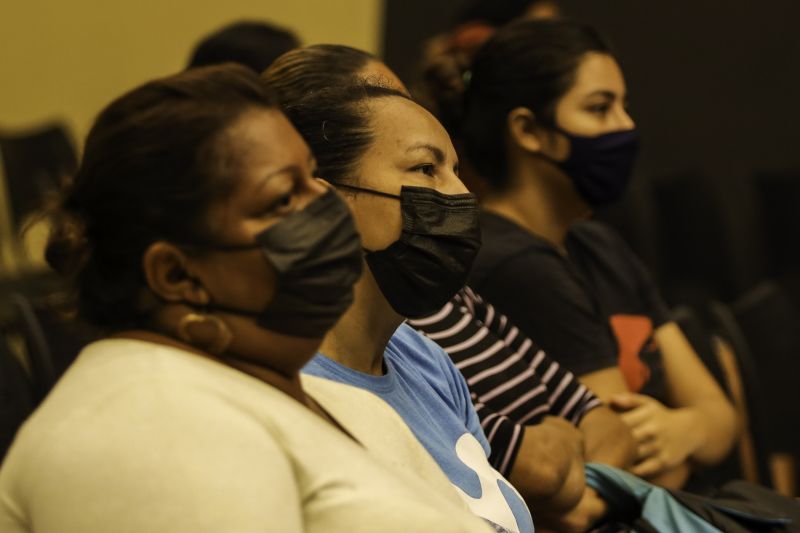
x=65, y=59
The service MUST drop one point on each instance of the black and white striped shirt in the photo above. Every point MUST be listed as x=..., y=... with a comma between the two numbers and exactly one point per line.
x=512, y=382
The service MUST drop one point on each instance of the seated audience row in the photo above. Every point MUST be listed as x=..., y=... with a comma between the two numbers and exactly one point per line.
x=309, y=323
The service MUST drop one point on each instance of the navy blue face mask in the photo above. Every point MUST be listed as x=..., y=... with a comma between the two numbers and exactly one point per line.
x=600, y=167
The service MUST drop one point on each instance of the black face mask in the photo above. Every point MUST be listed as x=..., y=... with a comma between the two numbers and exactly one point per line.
x=317, y=254
x=422, y=270
x=600, y=167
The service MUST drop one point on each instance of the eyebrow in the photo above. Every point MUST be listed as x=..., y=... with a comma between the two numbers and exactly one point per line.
x=437, y=153
x=611, y=95
x=284, y=170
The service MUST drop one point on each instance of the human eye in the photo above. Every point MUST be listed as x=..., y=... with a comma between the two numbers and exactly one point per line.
x=429, y=169
x=601, y=109
x=282, y=203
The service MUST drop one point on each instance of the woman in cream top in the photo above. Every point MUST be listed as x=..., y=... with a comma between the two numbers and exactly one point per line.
x=198, y=242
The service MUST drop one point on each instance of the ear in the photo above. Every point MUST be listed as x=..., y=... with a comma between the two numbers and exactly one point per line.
x=167, y=274
x=522, y=129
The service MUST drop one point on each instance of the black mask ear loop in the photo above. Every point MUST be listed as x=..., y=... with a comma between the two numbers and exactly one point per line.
x=367, y=191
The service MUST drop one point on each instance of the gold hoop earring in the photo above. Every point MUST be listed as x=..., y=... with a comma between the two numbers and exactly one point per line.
x=222, y=338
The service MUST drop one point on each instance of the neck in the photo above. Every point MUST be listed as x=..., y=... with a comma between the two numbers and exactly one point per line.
x=360, y=337
x=541, y=199
x=288, y=384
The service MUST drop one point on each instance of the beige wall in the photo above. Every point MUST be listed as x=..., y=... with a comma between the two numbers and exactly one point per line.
x=65, y=59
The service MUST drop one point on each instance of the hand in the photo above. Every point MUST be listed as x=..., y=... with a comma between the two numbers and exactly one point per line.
x=569, y=435
x=546, y=457
x=590, y=510
x=665, y=438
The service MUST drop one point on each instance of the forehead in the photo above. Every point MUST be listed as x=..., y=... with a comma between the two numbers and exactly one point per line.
x=399, y=123
x=598, y=71
x=264, y=136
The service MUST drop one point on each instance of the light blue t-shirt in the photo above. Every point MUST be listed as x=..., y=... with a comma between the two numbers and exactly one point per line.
x=430, y=394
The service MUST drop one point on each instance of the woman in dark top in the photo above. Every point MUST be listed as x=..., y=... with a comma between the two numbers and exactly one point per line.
x=543, y=121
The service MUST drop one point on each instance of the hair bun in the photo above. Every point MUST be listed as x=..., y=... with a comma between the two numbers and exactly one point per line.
x=68, y=247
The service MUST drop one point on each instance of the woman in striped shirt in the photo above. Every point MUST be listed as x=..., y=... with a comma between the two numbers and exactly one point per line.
x=541, y=454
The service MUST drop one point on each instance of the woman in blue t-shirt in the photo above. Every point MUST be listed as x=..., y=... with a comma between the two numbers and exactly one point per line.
x=395, y=166
x=541, y=116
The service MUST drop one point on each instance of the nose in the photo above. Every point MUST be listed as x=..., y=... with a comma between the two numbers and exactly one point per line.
x=625, y=121
x=313, y=188
x=452, y=184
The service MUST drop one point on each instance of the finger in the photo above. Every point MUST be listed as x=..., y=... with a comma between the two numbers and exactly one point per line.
x=644, y=432
x=646, y=449
x=582, y=517
x=636, y=417
x=649, y=467
x=625, y=400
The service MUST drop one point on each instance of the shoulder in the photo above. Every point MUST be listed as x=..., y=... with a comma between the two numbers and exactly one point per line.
x=330, y=393
x=599, y=250
x=410, y=345
x=597, y=236
x=504, y=241
x=534, y=281
x=339, y=399
x=412, y=354
x=120, y=394
x=509, y=249
x=377, y=426
x=98, y=434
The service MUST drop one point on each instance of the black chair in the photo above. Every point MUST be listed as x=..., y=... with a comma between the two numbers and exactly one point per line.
x=770, y=321
x=40, y=357
x=48, y=345
x=51, y=341
x=725, y=325
x=735, y=466
x=16, y=396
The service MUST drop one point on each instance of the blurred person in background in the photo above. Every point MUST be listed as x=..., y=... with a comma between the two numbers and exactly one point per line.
x=249, y=43
x=446, y=58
